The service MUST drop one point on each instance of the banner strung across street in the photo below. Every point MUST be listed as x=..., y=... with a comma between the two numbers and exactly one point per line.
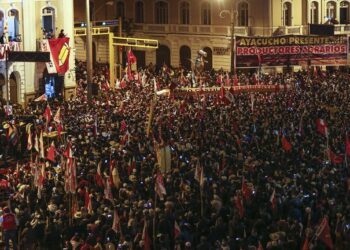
x=59, y=54
x=291, y=50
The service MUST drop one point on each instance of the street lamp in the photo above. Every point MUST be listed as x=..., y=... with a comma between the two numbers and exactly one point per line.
x=232, y=12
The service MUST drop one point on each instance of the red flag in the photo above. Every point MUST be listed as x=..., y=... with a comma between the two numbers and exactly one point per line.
x=246, y=192
x=131, y=57
x=306, y=244
x=145, y=237
x=273, y=200
x=88, y=203
x=123, y=126
x=159, y=186
x=322, y=127
x=235, y=80
x=68, y=151
x=323, y=233
x=222, y=93
x=239, y=206
x=51, y=153
x=260, y=247
x=177, y=230
x=286, y=145
x=47, y=114
x=98, y=177
x=60, y=51
x=335, y=159
x=347, y=144
x=59, y=129
x=116, y=222
x=43, y=97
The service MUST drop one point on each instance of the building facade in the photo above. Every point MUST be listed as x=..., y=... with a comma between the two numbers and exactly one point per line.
x=23, y=24
x=183, y=27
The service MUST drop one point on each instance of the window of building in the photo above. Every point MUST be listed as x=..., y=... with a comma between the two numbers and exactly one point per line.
x=314, y=13
x=344, y=12
x=185, y=13
x=161, y=12
x=331, y=10
x=243, y=14
x=13, y=25
x=206, y=13
x=48, y=20
x=2, y=22
x=139, y=12
x=287, y=14
x=120, y=9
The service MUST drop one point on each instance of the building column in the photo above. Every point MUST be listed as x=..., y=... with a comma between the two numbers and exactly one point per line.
x=67, y=14
x=29, y=44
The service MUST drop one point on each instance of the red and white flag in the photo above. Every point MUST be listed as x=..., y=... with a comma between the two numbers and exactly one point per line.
x=116, y=221
x=29, y=140
x=334, y=158
x=322, y=127
x=68, y=151
x=199, y=174
x=145, y=237
x=36, y=143
x=43, y=97
x=60, y=52
x=108, y=191
x=98, y=176
x=41, y=145
x=323, y=233
x=88, y=203
x=57, y=117
x=177, y=230
x=159, y=186
x=286, y=145
x=239, y=206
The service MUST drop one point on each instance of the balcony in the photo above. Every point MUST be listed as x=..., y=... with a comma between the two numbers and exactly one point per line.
x=10, y=46
x=214, y=30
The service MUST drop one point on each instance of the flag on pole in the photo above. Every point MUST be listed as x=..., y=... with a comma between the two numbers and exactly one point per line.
x=239, y=206
x=107, y=191
x=199, y=174
x=145, y=237
x=177, y=230
x=322, y=127
x=30, y=140
x=51, y=152
x=88, y=203
x=323, y=233
x=273, y=200
x=41, y=143
x=116, y=221
x=286, y=145
x=235, y=80
x=246, y=192
x=159, y=186
x=334, y=158
x=43, y=97
x=47, y=113
x=306, y=244
x=57, y=117
x=36, y=143
x=68, y=151
x=98, y=177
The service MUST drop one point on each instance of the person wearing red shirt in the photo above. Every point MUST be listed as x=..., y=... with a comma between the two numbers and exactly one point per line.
x=9, y=225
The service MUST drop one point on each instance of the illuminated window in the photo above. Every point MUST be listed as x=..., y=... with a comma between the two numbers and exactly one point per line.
x=48, y=20
x=314, y=13
x=139, y=12
x=331, y=10
x=120, y=9
x=161, y=12
x=243, y=14
x=13, y=25
x=206, y=13
x=287, y=14
x=185, y=13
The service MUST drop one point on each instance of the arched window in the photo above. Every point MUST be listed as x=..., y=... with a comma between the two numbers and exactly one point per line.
x=287, y=14
x=13, y=25
x=161, y=12
x=48, y=20
x=206, y=13
x=185, y=13
x=139, y=12
x=331, y=10
x=344, y=12
x=2, y=22
x=243, y=14
x=120, y=10
x=314, y=13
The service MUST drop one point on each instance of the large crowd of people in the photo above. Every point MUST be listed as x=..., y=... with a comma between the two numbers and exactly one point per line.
x=131, y=169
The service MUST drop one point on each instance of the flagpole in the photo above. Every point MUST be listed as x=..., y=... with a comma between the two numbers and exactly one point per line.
x=154, y=220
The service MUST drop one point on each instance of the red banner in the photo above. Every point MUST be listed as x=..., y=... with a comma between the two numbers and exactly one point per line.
x=291, y=50
x=60, y=53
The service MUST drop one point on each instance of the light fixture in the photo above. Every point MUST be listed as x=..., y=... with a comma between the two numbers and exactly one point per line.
x=110, y=3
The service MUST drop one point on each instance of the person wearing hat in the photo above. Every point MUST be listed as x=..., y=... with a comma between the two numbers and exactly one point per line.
x=9, y=225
